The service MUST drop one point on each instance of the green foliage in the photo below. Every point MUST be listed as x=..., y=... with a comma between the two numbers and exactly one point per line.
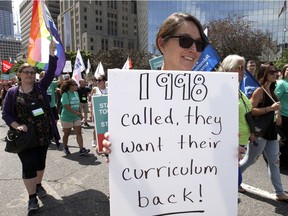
x=16, y=66
x=72, y=56
x=283, y=60
x=116, y=58
x=112, y=58
x=235, y=35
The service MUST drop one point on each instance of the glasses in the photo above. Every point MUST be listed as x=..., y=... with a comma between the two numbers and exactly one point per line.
x=100, y=80
x=74, y=84
x=187, y=42
x=272, y=72
x=240, y=67
x=29, y=72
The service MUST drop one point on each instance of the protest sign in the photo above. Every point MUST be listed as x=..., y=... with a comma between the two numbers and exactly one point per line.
x=68, y=67
x=156, y=63
x=174, y=141
x=100, y=111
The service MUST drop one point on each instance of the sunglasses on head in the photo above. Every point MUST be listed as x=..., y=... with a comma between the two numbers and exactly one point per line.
x=187, y=42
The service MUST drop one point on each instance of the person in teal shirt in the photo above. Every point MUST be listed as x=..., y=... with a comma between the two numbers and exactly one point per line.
x=51, y=91
x=281, y=91
x=71, y=115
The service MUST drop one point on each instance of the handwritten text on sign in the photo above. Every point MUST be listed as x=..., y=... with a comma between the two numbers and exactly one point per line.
x=175, y=140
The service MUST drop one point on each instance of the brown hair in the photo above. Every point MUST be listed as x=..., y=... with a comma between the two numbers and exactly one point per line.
x=172, y=24
x=21, y=68
x=262, y=77
x=283, y=71
x=66, y=85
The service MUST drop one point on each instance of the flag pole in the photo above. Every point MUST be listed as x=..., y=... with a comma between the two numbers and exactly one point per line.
x=285, y=29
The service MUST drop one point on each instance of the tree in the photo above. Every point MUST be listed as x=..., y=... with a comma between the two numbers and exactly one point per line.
x=16, y=66
x=235, y=35
x=116, y=58
x=283, y=60
x=72, y=56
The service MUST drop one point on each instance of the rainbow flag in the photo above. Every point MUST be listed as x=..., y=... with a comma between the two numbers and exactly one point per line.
x=41, y=31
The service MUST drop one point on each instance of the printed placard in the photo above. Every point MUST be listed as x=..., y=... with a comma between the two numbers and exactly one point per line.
x=100, y=111
x=174, y=141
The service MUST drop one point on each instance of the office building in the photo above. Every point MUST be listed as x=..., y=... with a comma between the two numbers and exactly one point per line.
x=10, y=47
x=6, y=19
x=98, y=25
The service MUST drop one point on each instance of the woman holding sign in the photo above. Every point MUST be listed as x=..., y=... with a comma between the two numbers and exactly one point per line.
x=181, y=41
x=98, y=90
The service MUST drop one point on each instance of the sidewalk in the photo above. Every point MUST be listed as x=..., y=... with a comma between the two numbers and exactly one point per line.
x=76, y=185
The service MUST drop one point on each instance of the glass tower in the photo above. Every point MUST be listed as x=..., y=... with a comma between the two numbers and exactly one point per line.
x=262, y=14
x=6, y=19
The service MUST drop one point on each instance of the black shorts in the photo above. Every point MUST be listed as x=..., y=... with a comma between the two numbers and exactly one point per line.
x=33, y=160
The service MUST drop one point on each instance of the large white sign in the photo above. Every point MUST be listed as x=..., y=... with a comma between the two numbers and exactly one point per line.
x=68, y=67
x=174, y=143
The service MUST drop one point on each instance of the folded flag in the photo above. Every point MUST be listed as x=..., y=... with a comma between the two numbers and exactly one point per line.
x=249, y=84
x=42, y=28
x=99, y=71
x=208, y=60
x=78, y=67
x=6, y=65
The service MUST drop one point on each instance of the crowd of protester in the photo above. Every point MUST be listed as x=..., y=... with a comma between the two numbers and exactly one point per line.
x=180, y=40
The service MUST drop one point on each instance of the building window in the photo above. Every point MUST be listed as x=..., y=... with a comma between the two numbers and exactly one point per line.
x=85, y=9
x=91, y=48
x=91, y=39
x=85, y=17
x=85, y=25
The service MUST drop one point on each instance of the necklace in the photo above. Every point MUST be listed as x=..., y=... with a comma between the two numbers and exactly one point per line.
x=25, y=92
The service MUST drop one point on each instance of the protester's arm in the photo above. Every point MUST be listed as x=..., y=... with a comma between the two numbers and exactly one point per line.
x=256, y=99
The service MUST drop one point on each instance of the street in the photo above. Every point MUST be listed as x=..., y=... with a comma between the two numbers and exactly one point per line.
x=78, y=185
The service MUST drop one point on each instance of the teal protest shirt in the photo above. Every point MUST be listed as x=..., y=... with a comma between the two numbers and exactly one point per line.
x=72, y=99
x=51, y=92
x=282, y=93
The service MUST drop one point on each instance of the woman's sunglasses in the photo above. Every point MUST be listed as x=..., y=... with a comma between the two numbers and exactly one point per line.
x=241, y=67
x=272, y=72
x=187, y=42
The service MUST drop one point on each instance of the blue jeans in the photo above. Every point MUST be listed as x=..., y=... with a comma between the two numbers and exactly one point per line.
x=271, y=151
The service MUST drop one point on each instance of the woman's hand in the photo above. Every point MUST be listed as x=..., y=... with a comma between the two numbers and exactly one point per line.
x=22, y=128
x=241, y=152
x=275, y=106
x=106, y=145
x=52, y=47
